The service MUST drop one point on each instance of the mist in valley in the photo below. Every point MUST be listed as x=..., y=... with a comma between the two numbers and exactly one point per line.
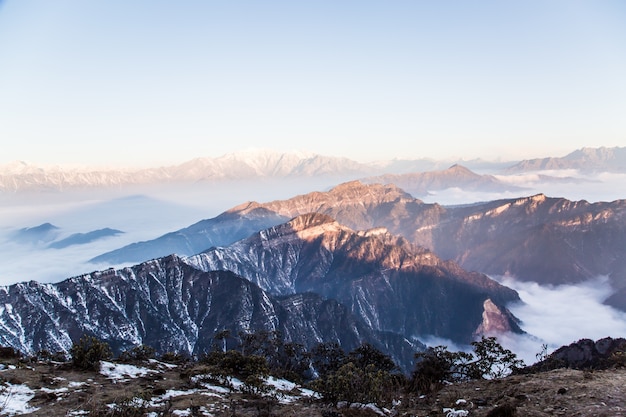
x=560, y=315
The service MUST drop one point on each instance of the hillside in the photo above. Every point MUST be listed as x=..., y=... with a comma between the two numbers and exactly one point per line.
x=53, y=389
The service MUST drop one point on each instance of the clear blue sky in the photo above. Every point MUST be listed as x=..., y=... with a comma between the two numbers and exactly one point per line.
x=149, y=81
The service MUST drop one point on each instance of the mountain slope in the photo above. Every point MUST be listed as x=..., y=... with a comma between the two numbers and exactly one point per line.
x=222, y=230
x=392, y=285
x=169, y=305
x=84, y=238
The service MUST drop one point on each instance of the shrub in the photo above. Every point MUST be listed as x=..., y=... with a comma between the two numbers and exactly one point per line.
x=365, y=375
x=437, y=365
x=492, y=360
x=139, y=353
x=88, y=352
x=7, y=352
x=250, y=369
x=354, y=384
x=174, y=357
x=47, y=356
x=327, y=358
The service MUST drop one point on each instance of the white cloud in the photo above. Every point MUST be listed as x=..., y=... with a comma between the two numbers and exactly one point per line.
x=560, y=315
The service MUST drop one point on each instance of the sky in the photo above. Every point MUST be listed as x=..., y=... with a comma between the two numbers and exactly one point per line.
x=145, y=83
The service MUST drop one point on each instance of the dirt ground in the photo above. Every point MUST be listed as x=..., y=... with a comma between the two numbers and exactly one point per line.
x=52, y=390
x=562, y=392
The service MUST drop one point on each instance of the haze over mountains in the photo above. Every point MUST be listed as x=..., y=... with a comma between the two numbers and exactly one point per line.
x=363, y=245
x=20, y=176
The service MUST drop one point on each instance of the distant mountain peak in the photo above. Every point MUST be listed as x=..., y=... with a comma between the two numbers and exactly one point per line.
x=601, y=159
x=456, y=176
x=460, y=169
x=44, y=227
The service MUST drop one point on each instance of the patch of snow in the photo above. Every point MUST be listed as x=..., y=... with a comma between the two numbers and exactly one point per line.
x=55, y=391
x=122, y=371
x=304, y=392
x=215, y=388
x=182, y=413
x=205, y=412
x=162, y=364
x=371, y=407
x=281, y=384
x=236, y=383
x=76, y=413
x=155, y=402
x=14, y=399
x=451, y=412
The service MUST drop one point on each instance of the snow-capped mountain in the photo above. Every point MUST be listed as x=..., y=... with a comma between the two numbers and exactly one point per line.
x=416, y=176
x=21, y=176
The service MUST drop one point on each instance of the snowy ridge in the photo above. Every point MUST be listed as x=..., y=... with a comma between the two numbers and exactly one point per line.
x=167, y=304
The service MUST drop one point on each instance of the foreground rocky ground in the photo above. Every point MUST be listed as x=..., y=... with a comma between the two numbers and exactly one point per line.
x=159, y=389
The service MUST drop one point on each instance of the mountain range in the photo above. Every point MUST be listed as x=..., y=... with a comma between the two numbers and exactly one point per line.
x=311, y=279
x=21, y=176
x=535, y=238
x=365, y=261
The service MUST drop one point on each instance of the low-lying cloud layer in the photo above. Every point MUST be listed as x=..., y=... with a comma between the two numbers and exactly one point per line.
x=560, y=315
